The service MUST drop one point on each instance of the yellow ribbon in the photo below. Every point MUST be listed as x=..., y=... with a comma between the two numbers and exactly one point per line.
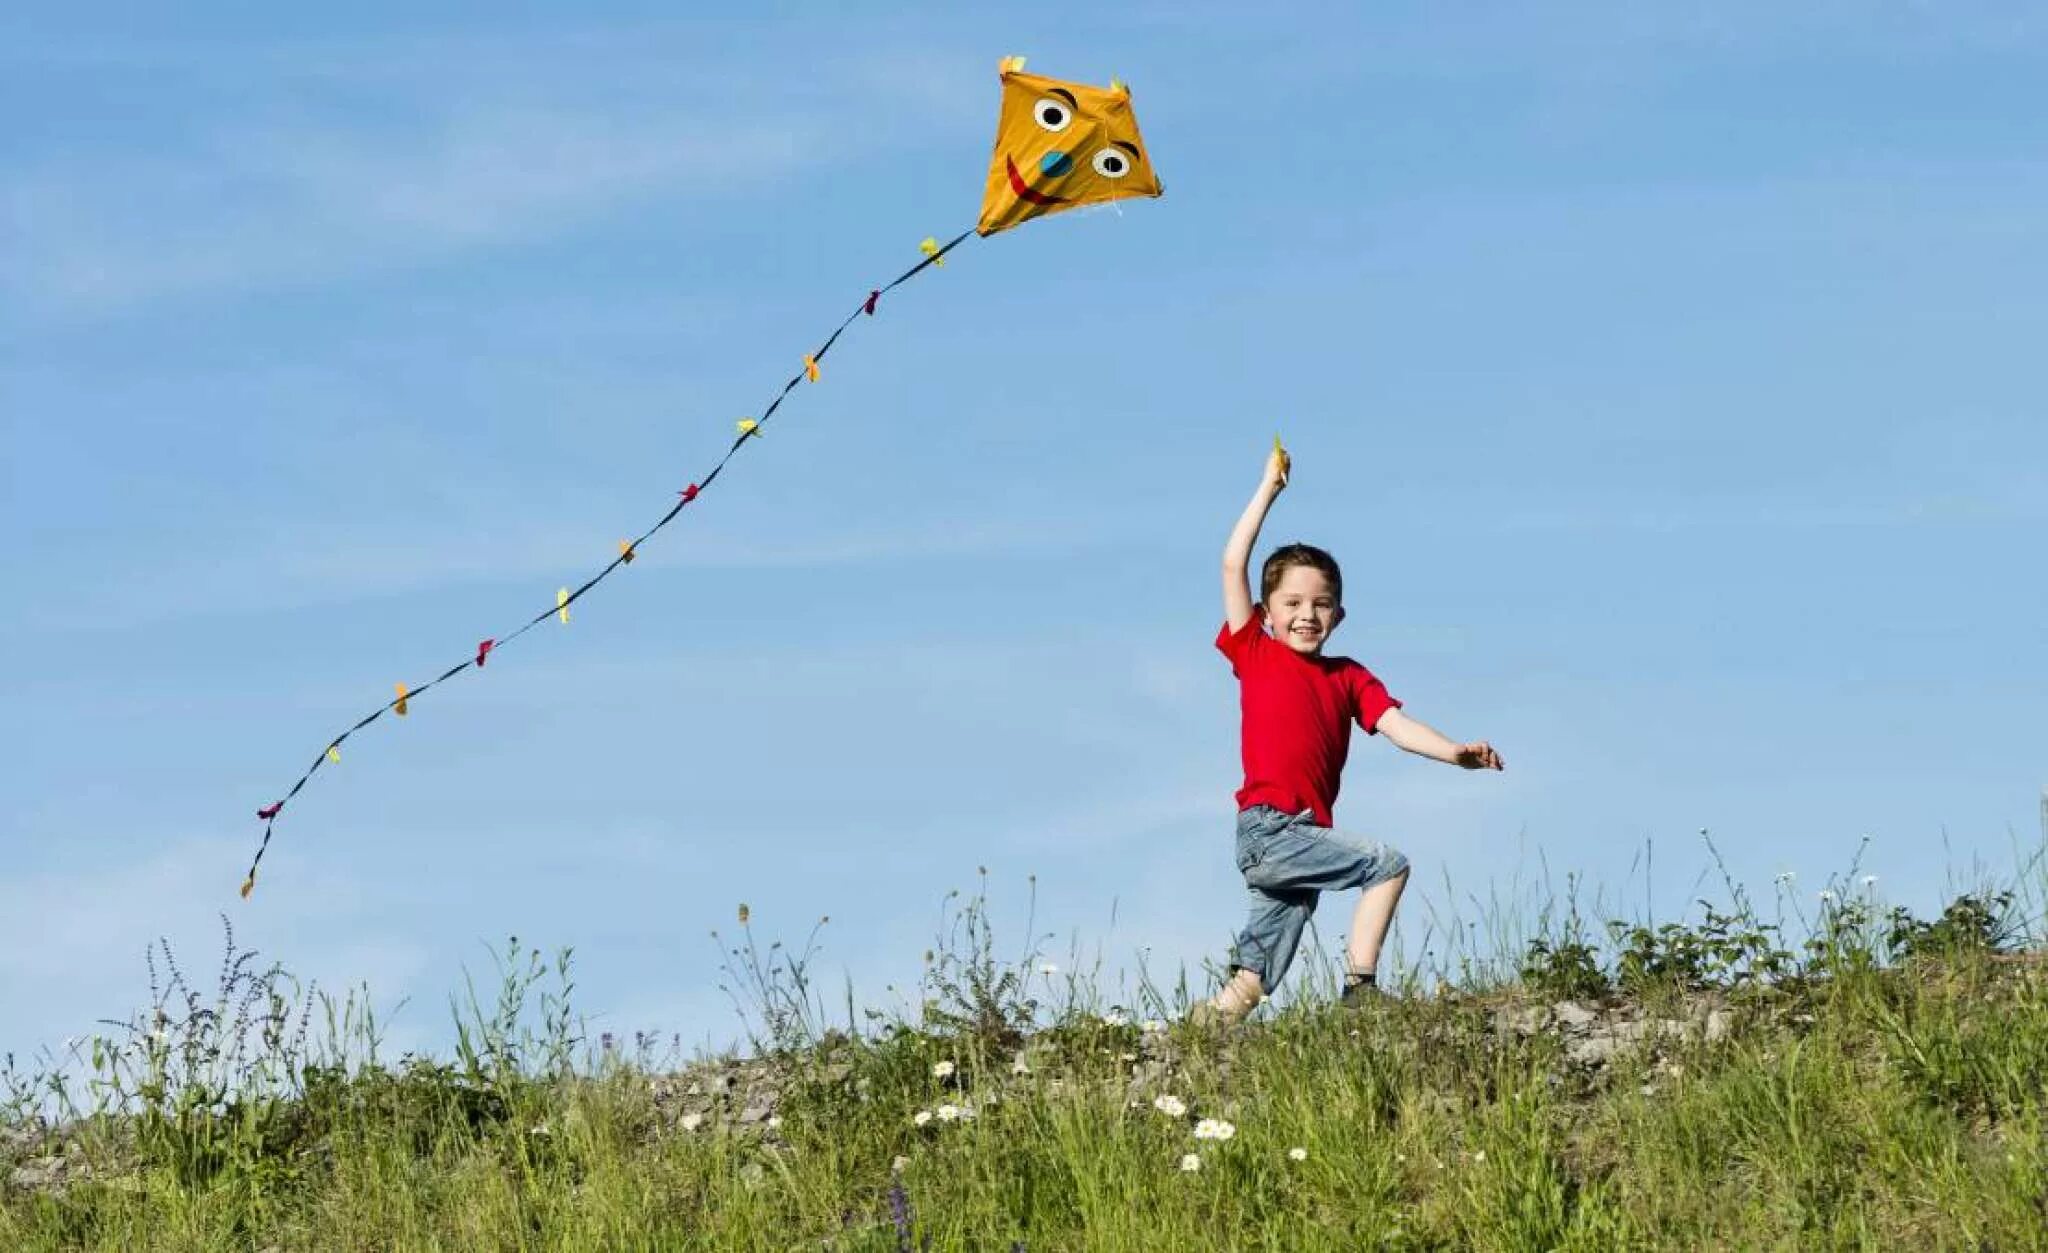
x=399, y=708
x=811, y=368
x=747, y=426
x=562, y=604
x=334, y=753
x=248, y=886
x=930, y=248
x=625, y=552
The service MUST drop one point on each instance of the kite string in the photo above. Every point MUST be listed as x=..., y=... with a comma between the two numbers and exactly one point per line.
x=934, y=255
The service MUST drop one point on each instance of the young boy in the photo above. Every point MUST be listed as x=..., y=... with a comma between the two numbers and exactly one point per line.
x=1298, y=706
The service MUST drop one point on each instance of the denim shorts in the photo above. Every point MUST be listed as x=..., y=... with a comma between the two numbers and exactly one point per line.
x=1287, y=862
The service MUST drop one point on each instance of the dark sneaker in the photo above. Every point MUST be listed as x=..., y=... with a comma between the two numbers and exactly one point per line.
x=1361, y=995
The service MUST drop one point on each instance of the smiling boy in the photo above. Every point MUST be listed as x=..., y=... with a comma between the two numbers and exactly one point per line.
x=1298, y=707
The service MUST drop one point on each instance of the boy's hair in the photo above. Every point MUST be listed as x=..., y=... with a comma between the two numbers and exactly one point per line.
x=1291, y=555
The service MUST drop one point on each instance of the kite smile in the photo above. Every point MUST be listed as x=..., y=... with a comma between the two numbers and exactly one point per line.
x=1023, y=190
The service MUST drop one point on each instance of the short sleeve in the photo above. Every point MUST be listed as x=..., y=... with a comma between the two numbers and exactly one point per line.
x=1370, y=700
x=1240, y=645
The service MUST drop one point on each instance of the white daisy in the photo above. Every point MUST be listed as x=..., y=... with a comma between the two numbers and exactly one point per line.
x=1297, y=1155
x=921, y=1117
x=1214, y=1129
x=1191, y=1162
x=692, y=1121
x=947, y=1113
x=1171, y=1106
x=942, y=1070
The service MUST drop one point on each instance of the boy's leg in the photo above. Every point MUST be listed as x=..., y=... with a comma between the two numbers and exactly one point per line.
x=1369, y=923
x=1308, y=857
x=1263, y=952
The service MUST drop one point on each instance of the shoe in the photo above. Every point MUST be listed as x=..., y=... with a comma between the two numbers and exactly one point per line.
x=1362, y=995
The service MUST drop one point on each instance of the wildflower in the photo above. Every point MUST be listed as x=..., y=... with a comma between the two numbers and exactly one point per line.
x=921, y=1117
x=947, y=1113
x=1152, y=1026
x=745, y=913
x=774, y=1122
x=1214, y=1129
x=1480, y=1156
x=1191, y=1162
x=1297, y=1155
x=1048, y=969
x=1115, y=1018
x=1826, y=897
x=1170, y=1105
x=942, y=1070
x=1870, y=880
x=540, y=1129
x=1786, y=876
x=692, y=1121
x=1127, y=1057
x=1400, y=1157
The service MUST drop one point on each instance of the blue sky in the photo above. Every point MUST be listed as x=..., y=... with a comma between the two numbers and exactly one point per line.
x=1660, y=374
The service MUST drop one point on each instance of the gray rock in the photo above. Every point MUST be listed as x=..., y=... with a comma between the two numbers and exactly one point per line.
x=758, y=1111
x=41, y=1172
x=1717, y=1025
x=1573, y=1016
x=1592, y=1051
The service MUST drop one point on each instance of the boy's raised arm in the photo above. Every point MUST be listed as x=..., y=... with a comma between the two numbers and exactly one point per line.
x=1237, y=551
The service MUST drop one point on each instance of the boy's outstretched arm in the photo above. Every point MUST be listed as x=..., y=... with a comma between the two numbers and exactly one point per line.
x=1426, y=741
x=1237, y=551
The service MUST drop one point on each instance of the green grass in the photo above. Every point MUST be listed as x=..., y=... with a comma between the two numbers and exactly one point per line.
x=1881, y=1082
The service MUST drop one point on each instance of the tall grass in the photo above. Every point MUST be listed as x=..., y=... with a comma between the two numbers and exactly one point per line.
x=1876, y=1079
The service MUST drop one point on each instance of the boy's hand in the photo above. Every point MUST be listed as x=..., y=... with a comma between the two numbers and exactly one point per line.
x=1278, y=466
x=1479, y=755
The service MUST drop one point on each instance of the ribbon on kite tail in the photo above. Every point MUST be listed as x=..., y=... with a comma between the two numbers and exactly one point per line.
x=749, y=428
x=1060, y=145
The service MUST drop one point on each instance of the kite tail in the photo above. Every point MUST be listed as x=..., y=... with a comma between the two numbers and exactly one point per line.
x=749, y=428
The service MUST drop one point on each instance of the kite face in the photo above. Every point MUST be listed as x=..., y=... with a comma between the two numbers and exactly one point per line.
x=1059, y=146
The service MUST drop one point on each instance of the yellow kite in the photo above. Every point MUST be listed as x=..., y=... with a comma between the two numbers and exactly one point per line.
x=1060, y=146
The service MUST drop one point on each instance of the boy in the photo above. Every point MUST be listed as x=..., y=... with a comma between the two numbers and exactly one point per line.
x=1298, y=706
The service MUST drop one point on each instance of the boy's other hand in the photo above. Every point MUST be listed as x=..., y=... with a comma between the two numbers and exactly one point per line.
x=1479, y=755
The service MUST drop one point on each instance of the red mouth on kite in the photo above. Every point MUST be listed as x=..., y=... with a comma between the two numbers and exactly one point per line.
x=1024, y=193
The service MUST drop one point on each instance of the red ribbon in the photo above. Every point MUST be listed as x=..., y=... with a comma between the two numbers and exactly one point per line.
x=269, y=811
x=483, y=651
x=690, y=493
x=873, y=296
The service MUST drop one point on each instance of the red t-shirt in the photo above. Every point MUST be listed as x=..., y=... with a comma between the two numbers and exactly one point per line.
x=1297, y=716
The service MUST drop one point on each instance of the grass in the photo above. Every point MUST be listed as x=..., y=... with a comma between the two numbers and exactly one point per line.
x=1876, y=1080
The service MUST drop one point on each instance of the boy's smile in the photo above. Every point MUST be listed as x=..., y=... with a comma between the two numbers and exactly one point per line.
x=1303, y=610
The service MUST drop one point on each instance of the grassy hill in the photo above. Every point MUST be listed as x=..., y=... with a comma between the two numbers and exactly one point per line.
x=1882, y=1081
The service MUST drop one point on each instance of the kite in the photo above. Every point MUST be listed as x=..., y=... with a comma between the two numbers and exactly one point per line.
x=1059, y=146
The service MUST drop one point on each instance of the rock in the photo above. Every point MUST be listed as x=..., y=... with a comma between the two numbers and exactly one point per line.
x=1717, y=1025
x=1526, y=1021
x=1592, y=1051
x=757, y=1112
x=41, y=1172
x=752, y=1174
x=1573, y=1016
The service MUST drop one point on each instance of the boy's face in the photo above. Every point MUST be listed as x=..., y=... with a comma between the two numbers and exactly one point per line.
x=1303, y=609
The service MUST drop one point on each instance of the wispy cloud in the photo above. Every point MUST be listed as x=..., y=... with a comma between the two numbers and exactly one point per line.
x=247, y=208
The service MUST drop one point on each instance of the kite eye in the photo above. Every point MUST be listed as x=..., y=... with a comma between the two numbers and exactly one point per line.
x=1053, y=115
x=1112, y=163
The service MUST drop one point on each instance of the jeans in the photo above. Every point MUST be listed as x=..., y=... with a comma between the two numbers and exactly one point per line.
x=1287, y=862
